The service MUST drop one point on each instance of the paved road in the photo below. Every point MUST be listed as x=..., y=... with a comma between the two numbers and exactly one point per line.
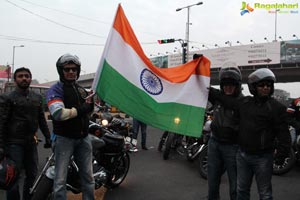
x=152, y=178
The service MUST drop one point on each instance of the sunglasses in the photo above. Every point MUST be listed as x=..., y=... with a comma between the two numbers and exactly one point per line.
x=263, y=84
x=23, y=75
x=68, y=69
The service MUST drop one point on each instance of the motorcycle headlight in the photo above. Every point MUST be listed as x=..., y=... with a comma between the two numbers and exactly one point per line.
x=104, y=122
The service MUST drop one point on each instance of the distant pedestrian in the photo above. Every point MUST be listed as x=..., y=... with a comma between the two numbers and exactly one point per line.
x=136, y=126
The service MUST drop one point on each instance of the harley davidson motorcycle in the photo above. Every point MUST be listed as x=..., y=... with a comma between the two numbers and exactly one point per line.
x=110, y=166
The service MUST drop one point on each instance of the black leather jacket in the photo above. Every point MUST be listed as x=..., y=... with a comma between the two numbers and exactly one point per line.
x=261, y=121
x=22, y=114
x=225, y=124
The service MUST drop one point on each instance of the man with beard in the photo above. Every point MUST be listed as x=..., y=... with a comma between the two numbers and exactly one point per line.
x=22, y=114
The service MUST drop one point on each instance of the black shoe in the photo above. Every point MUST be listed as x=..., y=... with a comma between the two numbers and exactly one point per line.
x=144, y=148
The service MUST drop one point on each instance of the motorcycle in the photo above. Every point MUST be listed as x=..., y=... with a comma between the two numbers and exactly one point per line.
x=193, y=148
x=294, y=155
x=111, y=163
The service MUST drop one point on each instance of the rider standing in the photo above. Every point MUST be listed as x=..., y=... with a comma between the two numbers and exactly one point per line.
x=262, y=119
x=70, y=107
x=22, y=113
x=222, y=146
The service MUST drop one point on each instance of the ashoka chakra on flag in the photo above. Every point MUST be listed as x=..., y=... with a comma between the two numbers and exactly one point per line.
x=150, y=82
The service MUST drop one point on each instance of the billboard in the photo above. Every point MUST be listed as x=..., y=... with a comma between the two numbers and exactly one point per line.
x=290, y=51
x=243, y=55
x=5, y=71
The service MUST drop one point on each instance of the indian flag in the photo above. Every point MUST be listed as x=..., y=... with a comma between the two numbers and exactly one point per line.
x=172, y=99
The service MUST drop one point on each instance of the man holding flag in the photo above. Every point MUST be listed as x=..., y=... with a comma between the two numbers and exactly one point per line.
x=172, y=99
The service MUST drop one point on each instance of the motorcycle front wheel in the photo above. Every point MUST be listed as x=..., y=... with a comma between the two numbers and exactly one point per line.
x=120, y=171
x=43, y=190
x=203, y=162
x=168, y=145
x=287, y=165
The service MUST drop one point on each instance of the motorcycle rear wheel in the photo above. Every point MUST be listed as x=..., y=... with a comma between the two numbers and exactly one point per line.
x=43, y=190
x=168, y=145
x=287, y=165
x=120, y=173
x=203, y=162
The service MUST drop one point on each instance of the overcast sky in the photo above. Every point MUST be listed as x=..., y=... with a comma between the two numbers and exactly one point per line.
x=50, y=28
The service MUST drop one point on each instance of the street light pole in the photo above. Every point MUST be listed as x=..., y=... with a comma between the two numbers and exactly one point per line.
x=276, y=10
x=13, y=61
x=187, y=32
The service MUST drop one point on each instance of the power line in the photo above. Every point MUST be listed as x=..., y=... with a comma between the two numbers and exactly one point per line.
x=67, y=13
x=54, y=22
x=7, y=37
x=71, y=14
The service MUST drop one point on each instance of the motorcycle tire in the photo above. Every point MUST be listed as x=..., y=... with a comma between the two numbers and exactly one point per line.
x=168, y=146
x=287, y=165
x=162, y=141
x=120, y=172
x=203, y=162
x=44, y=189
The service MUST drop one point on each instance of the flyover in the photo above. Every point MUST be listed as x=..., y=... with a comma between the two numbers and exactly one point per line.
x=284, y=73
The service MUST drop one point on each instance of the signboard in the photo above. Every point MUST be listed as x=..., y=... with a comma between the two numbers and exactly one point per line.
x=243, y=55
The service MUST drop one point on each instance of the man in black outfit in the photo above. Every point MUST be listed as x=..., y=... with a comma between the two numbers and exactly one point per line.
x=262, y=119
x=21, y=115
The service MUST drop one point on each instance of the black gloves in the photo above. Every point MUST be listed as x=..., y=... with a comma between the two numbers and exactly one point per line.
x=47, y=144
x=85, y=108
x=1, y=154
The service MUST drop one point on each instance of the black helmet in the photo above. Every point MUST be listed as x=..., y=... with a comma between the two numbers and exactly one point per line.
x=8, y=173
x=66, y=59
x=231, y=75
x=263, y=74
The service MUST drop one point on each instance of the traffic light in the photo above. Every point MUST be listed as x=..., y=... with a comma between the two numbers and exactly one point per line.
x=164, y=41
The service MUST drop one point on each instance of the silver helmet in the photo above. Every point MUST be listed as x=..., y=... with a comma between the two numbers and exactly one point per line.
x=263, y=74
x=66, y=59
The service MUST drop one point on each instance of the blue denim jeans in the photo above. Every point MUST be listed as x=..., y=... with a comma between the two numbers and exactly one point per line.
x=136, y=126
x=81, y=149
x=221, y=156
x=260, y=166
x=26, y=158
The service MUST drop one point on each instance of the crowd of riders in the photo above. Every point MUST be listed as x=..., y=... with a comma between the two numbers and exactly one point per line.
x=244, y=129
